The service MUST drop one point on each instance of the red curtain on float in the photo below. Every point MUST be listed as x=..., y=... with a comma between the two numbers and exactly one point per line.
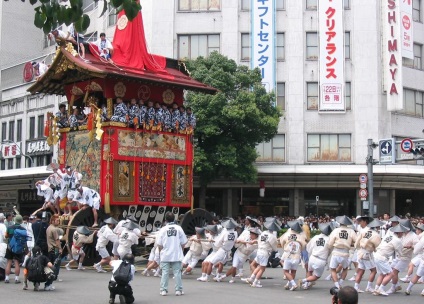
x=130, y=48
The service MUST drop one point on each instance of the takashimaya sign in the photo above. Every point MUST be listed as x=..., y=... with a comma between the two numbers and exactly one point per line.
x=263, y=40
x=331, y=56
x=392, y=69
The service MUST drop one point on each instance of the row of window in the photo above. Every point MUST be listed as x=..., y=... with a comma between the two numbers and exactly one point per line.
x=312, y=95
x=15, y=163
x=245, y=5
x=192, y=46
x=320, y=148
x=215, y=5
x=32, y=129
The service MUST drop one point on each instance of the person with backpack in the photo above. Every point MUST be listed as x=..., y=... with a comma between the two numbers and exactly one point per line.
x=122, y=274
x=16, y=248
x=35, y=268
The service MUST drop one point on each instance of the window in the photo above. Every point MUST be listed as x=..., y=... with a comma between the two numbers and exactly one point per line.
x=413, y=102
x=281, y=95
x=92, y=37
x=199, y=5
x=193, y=46
x=3, y=164
x=88, y=5
x=10, y=163
x=279, y=5
x=346, y=4
x=40, y=160
x=31, y=127
x=347, y=45
x=111, y=19
x=348, y=96
x=18, y=162
x=418, y=53
x=245, y=47
x=311, y=4
x=12, y=130
x=312, y=95
x=312, y=46
x=416, y=10
x=48, y=42
x=280, y=46
x=3, y=131
x=272, y=151
x=40, y=126
x=329, y=147
x=19, y=130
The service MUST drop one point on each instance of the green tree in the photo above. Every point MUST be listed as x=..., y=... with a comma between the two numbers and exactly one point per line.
x=50, y=13
x=230, y=123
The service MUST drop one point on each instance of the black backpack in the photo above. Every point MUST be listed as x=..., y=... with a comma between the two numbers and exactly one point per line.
x=36, y=270
x=122, y=275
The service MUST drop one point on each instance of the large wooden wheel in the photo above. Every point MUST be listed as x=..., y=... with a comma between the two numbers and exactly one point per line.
x=199, y=218
x=85, y=217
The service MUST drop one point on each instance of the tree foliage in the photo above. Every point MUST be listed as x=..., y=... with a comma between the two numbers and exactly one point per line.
x=232, y=122
x=51, y=13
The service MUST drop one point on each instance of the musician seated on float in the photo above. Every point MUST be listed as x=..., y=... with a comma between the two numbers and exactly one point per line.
x=105, y=47
x=77, y=119
x=120, y=114
x=62, y=117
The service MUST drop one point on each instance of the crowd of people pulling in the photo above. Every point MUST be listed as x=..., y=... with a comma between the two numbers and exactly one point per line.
x=136, y=114
x=384, y=248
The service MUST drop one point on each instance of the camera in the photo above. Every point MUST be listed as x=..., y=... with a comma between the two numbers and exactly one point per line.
x=335, y=293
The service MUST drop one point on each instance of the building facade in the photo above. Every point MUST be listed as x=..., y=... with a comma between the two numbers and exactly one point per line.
x=313, y=164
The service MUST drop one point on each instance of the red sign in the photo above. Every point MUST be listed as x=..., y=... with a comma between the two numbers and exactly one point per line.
x=363, y=193
x=406, y=145
x=10, y=150
x=28, y=72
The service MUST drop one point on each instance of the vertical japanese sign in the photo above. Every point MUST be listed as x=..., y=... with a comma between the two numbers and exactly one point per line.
x=263, y=40
x=407, y=32
x=391, y=48
x=331, y=56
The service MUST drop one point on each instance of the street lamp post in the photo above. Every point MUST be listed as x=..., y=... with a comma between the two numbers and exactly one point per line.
x=371, y=162
x=9, y=141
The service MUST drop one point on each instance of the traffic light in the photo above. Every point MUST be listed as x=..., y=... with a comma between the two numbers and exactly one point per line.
x=418, y=151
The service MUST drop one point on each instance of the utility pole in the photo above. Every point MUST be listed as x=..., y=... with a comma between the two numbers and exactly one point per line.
x=370, y=163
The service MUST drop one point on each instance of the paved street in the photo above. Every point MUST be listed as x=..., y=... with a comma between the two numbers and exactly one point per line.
x=91, y=288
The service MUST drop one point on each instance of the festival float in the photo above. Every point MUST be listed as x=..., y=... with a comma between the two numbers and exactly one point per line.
x=140, y=172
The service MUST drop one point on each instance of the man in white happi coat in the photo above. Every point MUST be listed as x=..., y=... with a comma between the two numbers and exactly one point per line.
x=198, y=249
x=293, y=243
x=419, y=252
x=319, y=252
x=416, y=260
x=226, y=241
x=391, y=244
x=104, y=236
x=366, y=243
x=89, y=198
x=214, y=239
x=267, y=243
x=402, y=259
x=341, y=239
x=46, y=190
x=127, y=238
x=118, y=230
x=245, y=247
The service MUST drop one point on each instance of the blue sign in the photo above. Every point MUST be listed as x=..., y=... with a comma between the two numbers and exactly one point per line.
x=385, y=147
